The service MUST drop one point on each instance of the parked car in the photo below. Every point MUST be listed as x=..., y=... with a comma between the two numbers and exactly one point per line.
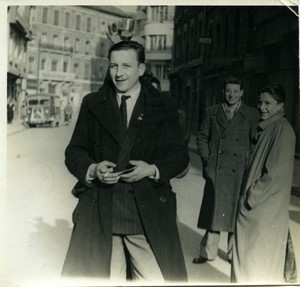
x=43, y=109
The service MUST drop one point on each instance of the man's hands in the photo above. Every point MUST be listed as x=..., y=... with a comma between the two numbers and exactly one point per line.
x=142, y=169
x=104, y=172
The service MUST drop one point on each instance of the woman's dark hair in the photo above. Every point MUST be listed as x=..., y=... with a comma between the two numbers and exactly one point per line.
x=232, y=80
x=129, y=45
x=275, y=90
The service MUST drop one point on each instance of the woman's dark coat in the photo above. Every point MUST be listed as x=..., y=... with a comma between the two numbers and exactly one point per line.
x=223, y=149
x=159, y=141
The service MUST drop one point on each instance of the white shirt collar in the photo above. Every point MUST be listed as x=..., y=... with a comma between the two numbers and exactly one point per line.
x=133, y=93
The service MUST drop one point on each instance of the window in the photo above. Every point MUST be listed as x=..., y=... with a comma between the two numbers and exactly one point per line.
x=102, y=49
x=162, y=72
x=165, y=72
x=65, y=67
x=33, y=14
x=78, y=19
x=158, y=42
x=44, y=38
x=54, y=65
x=67, y=20
x=66, y=43
x=45, y=102
x=87, y=47
x=56, y=18
x=45, y=15
x=31, y=65
x=159, y=13
x=55, y=40
x=43, y=64
x=158, y=72
x=89, y=25
x=52, y=88
x=154, y=13
x=75, y=70
x=33, y=102
x=77, y=41
x=86, y=71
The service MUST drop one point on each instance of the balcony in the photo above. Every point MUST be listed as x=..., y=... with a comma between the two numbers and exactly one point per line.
x=159, y=54
x=50, y=46
x=57, y=76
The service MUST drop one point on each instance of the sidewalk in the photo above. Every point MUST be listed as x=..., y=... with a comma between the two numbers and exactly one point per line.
x=15, y=127
x=296, y=177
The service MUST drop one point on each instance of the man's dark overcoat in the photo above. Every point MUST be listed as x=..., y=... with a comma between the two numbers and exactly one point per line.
x=223, y=149
x=159, y=141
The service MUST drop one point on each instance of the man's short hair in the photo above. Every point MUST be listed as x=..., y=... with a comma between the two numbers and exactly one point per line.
x=129, y=45
x=232, y=80
x=275, y=90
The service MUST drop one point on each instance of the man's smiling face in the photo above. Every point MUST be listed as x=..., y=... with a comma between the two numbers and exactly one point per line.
x=125, y=70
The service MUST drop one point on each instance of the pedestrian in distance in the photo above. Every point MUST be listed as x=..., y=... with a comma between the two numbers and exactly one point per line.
x=68, y=111
x=10, y=111
x=125, y=222
x=261, y=234
x=223, y=142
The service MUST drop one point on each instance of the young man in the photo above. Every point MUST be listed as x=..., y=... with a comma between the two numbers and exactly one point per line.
x=223, y=144
x=126, y=222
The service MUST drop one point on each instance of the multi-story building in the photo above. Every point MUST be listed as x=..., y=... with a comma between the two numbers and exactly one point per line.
x=256, y=44
x=68, y=55
x=155, y=25
x=18, y=36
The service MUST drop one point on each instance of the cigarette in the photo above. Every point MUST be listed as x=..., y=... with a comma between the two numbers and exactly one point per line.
x=105, y=175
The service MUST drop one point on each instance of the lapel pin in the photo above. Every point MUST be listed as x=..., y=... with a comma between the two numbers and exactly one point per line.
x=140, y=117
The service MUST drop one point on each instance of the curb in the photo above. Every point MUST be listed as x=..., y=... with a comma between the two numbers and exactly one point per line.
x=16, y=130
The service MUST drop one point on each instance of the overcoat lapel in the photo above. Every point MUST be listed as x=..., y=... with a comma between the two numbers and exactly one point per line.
x=107, y=112
x=238, y=118
x=221, y=119
x=153, y=113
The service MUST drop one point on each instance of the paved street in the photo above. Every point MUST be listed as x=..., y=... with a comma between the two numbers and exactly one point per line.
x=39, y=207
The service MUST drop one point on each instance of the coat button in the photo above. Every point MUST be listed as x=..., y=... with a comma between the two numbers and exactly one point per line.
x=233, y=170
x=220, y=152
x=163, y=199
x=235, y=154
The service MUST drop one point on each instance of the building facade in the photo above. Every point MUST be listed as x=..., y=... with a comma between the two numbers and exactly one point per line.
x=256, y=44
x=68, y=55
x=18, y=36
x=155, y=25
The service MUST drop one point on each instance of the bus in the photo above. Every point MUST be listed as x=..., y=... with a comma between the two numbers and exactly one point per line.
x=43, y=109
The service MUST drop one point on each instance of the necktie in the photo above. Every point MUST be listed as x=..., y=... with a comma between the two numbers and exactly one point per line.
x=123, y=110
